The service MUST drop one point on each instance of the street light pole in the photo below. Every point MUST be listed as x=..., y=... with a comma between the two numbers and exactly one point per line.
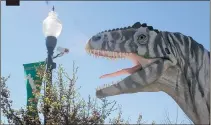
x=51, y=42
x=52, y=28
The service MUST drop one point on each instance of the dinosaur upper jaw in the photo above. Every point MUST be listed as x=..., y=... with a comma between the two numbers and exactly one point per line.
x=141, y=67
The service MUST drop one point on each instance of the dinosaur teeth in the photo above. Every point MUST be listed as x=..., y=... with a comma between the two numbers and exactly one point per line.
x=108, y=85
x=107, y=54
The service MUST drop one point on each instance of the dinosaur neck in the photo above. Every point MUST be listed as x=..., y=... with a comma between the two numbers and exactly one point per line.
x=173, y=83
x=193, y=62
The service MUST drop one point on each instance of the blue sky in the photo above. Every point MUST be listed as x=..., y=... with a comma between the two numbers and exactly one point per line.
x=23, y=42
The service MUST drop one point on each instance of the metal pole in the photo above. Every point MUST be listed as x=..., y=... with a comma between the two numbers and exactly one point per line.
x=50, y=45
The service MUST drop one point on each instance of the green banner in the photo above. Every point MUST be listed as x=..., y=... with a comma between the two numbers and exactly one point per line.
x=33, y=75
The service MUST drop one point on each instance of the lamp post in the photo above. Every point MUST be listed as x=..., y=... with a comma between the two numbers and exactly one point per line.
x=52, y=28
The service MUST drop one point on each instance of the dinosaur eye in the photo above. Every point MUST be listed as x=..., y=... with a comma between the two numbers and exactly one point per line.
x=141, y=37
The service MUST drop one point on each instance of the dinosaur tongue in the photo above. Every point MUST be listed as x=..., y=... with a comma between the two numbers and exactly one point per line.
x=123, y=71
x=137, y=61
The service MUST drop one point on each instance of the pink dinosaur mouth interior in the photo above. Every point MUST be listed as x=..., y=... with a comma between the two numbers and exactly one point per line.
x=138, y=61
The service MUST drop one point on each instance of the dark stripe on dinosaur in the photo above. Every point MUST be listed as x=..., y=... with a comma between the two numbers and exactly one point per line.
x=118, y=86
x=179, y=37
x=133, y=46
x=208, y=102
x=142, y=74
x=104, y=44
x=130, y=84
x=121, y=45
x=194, y=70
x=199, y=60
x=110, y=45
x=159, y=67
x=187, y=64
x=127, y=35
x=157, y=43
x=167, y=40
x=100, y=92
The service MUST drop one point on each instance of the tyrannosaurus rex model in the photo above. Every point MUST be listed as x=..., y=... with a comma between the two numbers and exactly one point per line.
x=164, y=61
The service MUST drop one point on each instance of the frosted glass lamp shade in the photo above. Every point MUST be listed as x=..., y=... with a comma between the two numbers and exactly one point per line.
x=52, y=25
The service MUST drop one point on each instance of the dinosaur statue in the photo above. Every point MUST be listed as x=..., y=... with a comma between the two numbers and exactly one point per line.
x=164, y=61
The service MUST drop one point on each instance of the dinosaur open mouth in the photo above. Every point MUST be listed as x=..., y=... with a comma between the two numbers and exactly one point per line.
x=139, y=62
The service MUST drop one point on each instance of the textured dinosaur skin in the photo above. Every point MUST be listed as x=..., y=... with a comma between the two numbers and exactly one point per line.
x=170, y=62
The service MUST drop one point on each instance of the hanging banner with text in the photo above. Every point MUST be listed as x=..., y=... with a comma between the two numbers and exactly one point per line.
x=33, y=75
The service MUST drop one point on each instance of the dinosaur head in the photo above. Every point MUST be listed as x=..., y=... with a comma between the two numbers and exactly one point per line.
x=139, y=43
